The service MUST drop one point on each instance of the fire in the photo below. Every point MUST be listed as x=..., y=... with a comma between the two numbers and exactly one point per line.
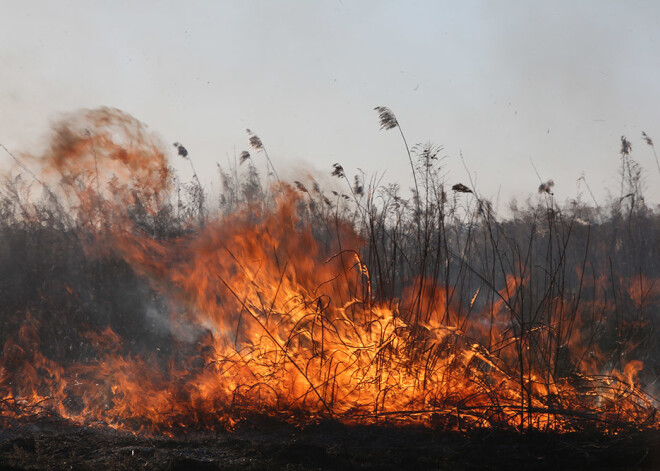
x=269, y=316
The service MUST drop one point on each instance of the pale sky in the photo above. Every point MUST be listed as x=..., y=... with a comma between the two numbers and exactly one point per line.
x=503, y=82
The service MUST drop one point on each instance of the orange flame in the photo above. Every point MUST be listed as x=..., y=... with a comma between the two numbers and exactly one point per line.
x=286, y=324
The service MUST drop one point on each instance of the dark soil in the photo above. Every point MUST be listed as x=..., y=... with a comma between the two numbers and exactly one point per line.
x=56, y=445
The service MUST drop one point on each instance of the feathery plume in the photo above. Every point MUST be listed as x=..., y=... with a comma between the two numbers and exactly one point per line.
x=357, y=188
x=460, y=188
x=182, y=151
x=648, y=140
x=300, y=186
x=626, y=146
x=255, y=142
x=547, y=187
x=338, y=171
x=387, y=119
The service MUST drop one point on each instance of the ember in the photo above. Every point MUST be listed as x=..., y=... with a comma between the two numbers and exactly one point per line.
x=130, y=302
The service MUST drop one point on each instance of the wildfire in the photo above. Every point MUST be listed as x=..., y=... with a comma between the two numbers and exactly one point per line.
x=268, y=317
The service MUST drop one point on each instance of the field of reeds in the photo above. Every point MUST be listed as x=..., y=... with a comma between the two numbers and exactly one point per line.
x=145, y=303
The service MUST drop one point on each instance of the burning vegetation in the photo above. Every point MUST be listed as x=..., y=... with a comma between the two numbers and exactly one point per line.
x=133, y=300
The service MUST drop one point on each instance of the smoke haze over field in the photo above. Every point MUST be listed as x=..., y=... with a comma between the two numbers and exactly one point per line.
x=502, y=82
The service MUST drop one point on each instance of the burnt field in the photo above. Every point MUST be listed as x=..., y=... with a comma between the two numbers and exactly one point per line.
x=147, y=322
x=261, y=445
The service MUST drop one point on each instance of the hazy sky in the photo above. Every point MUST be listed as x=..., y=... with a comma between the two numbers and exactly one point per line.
x=503, y=82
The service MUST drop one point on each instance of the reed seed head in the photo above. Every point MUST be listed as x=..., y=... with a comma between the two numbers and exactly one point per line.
x=626, y=146
x=300, y=186
x=254, y=141
x=460, y=188
x=387, y=119
x=648, y=140
x=182, y=151
x=337, y=171
x=547, y=187
x=358, y=189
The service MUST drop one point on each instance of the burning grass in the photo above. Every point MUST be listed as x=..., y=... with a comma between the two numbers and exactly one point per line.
x=131, y=302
